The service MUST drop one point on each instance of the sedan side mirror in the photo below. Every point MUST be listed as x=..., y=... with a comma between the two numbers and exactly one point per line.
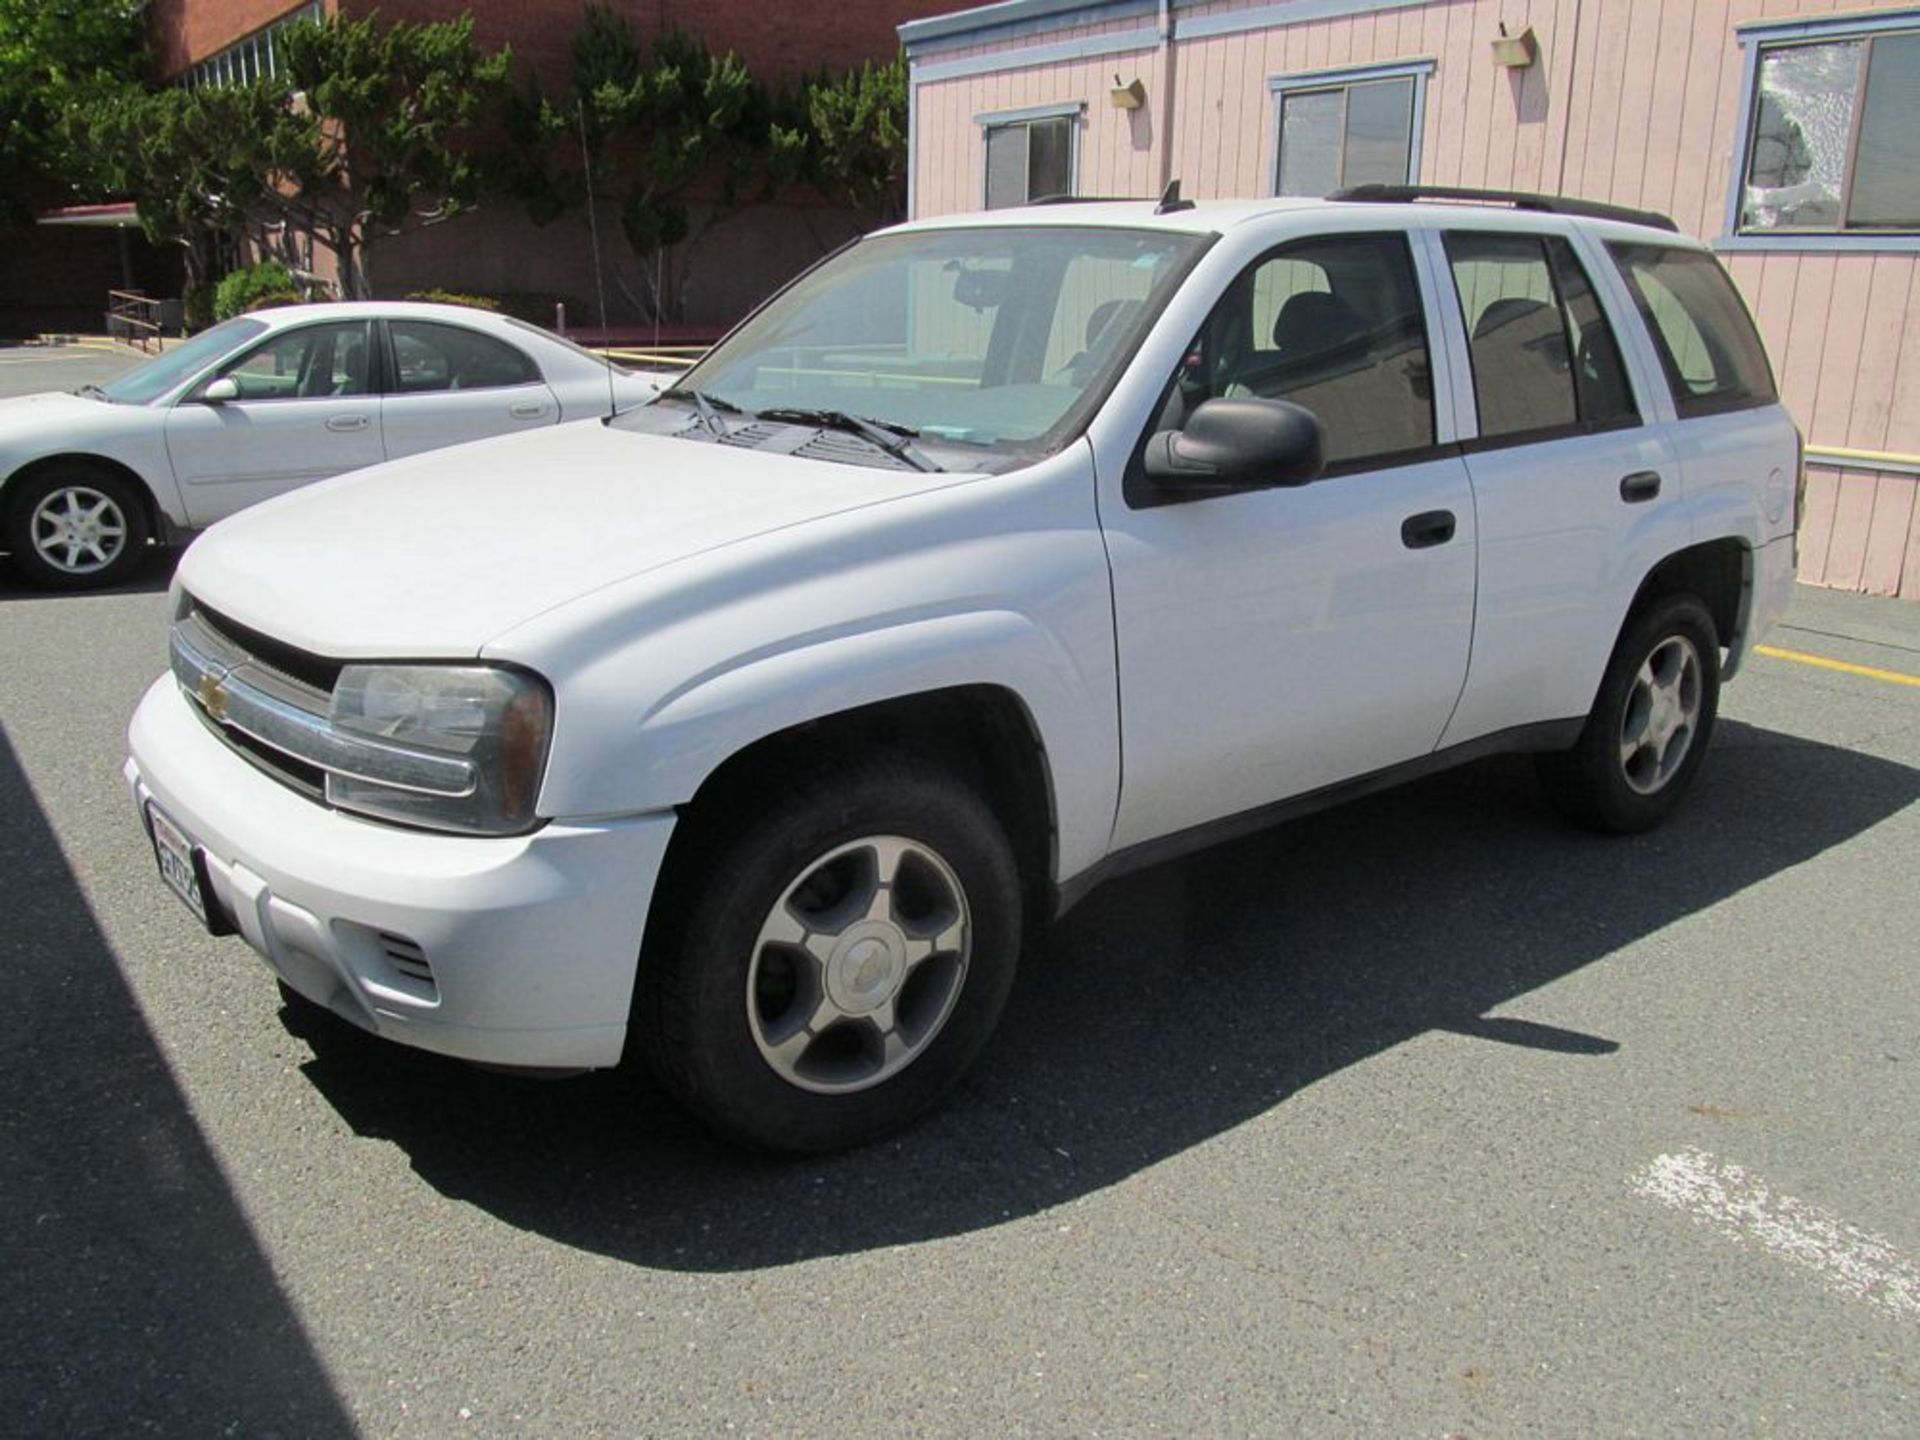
x=1239, y=444
x=218, y=392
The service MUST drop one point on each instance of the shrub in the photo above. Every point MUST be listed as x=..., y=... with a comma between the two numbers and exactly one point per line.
x=451, y=297
x=196, y=309
x=533, y=306
x=248, y=289
x=277, y=297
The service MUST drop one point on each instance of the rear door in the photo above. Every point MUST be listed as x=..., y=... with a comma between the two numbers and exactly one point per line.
x=305, y=410
x=448, y=384
x=1573, y=487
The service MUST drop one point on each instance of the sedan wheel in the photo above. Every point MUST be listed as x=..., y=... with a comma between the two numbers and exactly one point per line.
x=74, y=529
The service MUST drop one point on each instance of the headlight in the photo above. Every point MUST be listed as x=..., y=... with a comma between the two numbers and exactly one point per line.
x=497, y=721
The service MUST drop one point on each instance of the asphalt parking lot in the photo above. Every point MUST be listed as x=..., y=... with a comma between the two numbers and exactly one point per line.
x=1427, y=1116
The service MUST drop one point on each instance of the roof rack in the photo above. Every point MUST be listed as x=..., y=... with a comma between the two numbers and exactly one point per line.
x=1091, y=200
x=1518, y=199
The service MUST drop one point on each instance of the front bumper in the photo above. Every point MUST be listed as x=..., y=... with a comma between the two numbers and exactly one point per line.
x=531, y=941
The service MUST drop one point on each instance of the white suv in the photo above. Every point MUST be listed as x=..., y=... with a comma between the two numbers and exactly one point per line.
x=996, y=556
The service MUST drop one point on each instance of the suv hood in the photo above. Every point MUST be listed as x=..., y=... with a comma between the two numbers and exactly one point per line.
x=433, y=556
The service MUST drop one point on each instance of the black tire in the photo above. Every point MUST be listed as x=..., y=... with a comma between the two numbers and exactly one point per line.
x=102, y=556
x=1598, y=785
x=699, y=1005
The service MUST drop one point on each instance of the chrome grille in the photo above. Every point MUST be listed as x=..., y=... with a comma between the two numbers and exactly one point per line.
x=270, y=711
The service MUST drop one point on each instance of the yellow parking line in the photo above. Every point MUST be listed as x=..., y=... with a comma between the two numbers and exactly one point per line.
x=1799, y=657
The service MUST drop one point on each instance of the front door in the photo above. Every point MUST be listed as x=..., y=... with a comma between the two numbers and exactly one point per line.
x=1277, y=641
x=304, y=410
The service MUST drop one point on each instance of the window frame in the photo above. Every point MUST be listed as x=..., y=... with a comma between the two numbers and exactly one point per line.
x=1073, y=112
x=1755, y=40
x=1280, y=87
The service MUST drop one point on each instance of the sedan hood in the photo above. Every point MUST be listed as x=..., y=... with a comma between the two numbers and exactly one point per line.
x=51, y=408
x=433, y=556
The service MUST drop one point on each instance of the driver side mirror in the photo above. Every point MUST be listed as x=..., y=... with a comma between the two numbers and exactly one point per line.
x=218, y=392
x=1237, y=444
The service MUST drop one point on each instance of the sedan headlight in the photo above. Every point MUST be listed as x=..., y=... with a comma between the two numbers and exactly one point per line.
x=497, y=722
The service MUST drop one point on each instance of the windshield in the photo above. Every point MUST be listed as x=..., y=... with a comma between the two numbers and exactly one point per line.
x=1001, y=337
x=166, y=370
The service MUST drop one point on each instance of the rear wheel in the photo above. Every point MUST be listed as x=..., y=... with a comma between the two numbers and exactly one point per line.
x=841, y=960
x=76, y=527
x=1647, y=734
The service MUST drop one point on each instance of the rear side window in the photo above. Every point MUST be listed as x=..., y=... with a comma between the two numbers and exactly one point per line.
x=1712, y=354
x=1544, y=356
x=428, y=356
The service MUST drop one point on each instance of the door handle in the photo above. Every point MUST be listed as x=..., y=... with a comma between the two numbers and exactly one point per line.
x=347, y=422
x=1640, y=485
x=528, y=410
x=1430, y=527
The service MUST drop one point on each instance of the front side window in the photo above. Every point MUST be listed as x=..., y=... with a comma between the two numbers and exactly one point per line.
x=1835, y=138
x=429, y=356
x=1330, y=324
x=1339, y=135
x=1708, y=347
x=1029, y=160
x=315, y=362
x=1543, y=355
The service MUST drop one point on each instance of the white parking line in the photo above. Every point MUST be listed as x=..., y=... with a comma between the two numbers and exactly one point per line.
x=1739, y=1206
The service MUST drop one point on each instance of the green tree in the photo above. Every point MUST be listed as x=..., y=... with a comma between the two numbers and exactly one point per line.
x=59, y=59
x=674, y=141
x=393, y=115
x=201, y=164
x=857, y=137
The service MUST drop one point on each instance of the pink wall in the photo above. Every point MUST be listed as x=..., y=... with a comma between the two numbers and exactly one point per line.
x=1631, y=101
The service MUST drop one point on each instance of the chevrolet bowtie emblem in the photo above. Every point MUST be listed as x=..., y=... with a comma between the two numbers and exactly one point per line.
x=213, y=695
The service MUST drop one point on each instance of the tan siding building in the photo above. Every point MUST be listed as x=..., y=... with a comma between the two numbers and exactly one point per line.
x=1784, y=132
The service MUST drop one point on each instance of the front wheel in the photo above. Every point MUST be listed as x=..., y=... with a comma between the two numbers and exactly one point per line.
x=841, y=959
x=74, y=527
x=1647, y=734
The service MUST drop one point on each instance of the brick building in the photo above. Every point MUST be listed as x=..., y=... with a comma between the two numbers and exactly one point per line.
x=1786, y=133
x=496, y=248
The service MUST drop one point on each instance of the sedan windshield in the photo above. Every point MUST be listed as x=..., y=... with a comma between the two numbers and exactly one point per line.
x=999, y=337
x=166, y=370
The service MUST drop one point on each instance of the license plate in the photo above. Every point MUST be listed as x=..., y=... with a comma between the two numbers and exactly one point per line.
x=178, y=864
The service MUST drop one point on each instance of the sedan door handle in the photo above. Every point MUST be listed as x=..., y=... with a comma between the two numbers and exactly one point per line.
x=1639, y=486
x=1430, y=527
x=347, y=422
x=528, y=409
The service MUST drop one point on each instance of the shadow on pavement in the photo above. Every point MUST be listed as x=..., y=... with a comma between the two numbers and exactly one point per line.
x=136, y=1299
x=154, y=576
x=1170, y=1007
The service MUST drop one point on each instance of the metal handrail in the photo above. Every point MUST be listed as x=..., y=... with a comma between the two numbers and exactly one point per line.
x=136, y=313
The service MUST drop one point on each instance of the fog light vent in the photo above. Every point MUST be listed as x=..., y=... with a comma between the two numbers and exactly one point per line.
x=406, y=957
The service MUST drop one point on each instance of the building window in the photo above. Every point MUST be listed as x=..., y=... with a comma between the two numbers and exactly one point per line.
x=1833, y=138
x=253, y=58
x=1353, y=127
x=1030, y=154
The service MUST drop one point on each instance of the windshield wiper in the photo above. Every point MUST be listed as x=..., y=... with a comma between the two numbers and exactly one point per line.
x=896, y=440
x=704, y=403
x=93, y=392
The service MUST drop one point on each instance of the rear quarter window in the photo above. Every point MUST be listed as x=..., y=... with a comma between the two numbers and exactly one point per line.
x=1708, y=346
